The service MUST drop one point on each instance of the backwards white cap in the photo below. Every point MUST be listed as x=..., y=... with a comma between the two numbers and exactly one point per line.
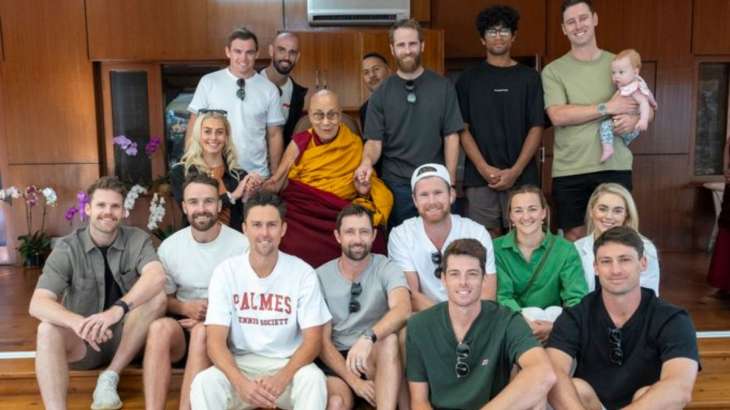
x=430, y=170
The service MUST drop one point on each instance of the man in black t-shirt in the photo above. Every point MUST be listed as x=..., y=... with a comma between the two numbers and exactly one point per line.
x=412, y=119
x=630, y=346
x=502, y=105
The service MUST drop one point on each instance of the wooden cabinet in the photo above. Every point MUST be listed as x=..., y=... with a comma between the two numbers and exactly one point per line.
x=462, y=39
x=164, y=30
x=710, y=29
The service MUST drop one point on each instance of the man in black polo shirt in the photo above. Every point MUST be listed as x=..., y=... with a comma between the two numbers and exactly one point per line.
x=502, y=105
x=460, y=353
x=633, y=350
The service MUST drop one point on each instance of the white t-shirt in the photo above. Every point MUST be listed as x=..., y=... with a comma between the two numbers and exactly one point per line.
x=249, y=118
x=189, y=264
x=285, y=96
x=266, y=315
x=647, y=279
x=409, y=247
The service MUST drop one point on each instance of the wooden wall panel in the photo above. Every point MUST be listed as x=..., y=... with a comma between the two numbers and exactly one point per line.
x=665, y=200
x=462, y=39
x=263, y=17
x=334, y=59
x=710, y=29
x=143, y=30
x=48, y=84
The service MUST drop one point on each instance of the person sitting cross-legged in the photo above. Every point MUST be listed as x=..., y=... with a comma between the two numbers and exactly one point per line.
x=368, y=298
x=189, y=257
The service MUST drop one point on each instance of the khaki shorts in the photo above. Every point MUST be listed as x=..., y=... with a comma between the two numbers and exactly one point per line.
x=487, y=206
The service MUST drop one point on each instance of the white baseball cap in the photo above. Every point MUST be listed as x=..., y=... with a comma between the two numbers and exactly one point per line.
x=430, y=170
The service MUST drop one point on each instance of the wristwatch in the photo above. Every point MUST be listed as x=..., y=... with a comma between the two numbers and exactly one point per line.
x=122, y=304
x=602, y=109
x=370, y=335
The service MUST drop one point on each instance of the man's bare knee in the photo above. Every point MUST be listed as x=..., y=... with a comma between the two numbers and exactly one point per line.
x=336, y=402
x=161, y=332
x=640, y=392
x=48, y=336
x=388, y=348
x=586, y=394
x=198, y=340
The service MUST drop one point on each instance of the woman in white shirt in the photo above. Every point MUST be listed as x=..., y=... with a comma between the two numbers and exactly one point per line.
x=612, y=205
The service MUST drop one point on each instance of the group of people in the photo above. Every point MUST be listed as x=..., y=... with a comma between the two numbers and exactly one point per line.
x=279, y=292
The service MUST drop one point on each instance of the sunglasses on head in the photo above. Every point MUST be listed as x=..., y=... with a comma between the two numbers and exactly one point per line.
x=212, y=111
x=241, y=92
x=462, y=354
x=615, y=352
x=410, y=87
x=355, y=291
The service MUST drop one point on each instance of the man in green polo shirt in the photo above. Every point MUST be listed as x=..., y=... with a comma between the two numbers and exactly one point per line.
x=460, y=352
x=100, y=289
x=578, y=96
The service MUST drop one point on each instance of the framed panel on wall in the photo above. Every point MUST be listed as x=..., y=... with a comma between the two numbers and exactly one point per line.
x=133, y=144
x=711, y=118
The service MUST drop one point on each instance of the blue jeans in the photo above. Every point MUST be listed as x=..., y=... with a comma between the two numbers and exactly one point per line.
x=403, y=207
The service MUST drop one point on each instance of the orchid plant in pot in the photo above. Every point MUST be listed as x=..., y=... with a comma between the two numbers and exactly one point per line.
x=34, y=245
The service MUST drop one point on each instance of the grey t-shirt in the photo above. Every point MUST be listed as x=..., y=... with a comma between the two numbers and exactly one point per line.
x=412, y=133
x=380, y=277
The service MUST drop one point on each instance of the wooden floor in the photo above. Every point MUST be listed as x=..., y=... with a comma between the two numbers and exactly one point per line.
x=682, y=283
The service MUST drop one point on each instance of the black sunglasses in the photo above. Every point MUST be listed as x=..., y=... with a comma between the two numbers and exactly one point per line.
x=411, y=88
x=211, y=111
x=615, y=353
x=436, y=259
x=241, y=93
x=355, y=291
x=462, y=354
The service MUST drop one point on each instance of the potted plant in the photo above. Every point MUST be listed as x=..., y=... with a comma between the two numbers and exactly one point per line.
x=34, y=245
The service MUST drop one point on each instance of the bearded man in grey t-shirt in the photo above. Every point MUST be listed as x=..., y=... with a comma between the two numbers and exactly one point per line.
x=369, y=300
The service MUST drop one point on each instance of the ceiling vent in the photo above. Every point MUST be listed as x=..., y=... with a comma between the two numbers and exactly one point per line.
x=357, y=12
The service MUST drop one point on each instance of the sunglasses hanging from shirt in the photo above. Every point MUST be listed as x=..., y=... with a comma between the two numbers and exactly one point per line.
x=241, y=92
x=411, y=89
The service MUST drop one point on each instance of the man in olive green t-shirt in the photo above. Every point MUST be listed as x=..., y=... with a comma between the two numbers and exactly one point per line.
x=460, y=352
x=578, y=95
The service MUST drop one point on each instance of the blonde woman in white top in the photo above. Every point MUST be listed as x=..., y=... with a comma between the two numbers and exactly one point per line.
x=612, y=205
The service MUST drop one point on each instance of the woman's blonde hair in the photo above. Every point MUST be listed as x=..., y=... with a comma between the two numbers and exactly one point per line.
x=531, y=189
x=193, y=156
x=632, y=215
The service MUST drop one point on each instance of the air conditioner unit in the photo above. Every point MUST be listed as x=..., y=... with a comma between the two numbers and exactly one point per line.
x=357, y=12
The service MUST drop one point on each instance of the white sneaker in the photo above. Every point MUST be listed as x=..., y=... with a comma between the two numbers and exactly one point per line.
x=105, y=394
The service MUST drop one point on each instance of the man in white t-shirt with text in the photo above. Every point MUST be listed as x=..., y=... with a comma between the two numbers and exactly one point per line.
x=418, y=243
x=264, y=323
x=251, y=103
x=189, y=257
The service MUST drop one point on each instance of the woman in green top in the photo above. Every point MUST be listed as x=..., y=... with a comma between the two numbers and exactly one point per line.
x=536, y=269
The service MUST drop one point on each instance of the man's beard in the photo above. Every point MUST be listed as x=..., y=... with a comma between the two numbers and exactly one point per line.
x=203, y=227
x=409, y=67
x=357, y=255
x=281, y=69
